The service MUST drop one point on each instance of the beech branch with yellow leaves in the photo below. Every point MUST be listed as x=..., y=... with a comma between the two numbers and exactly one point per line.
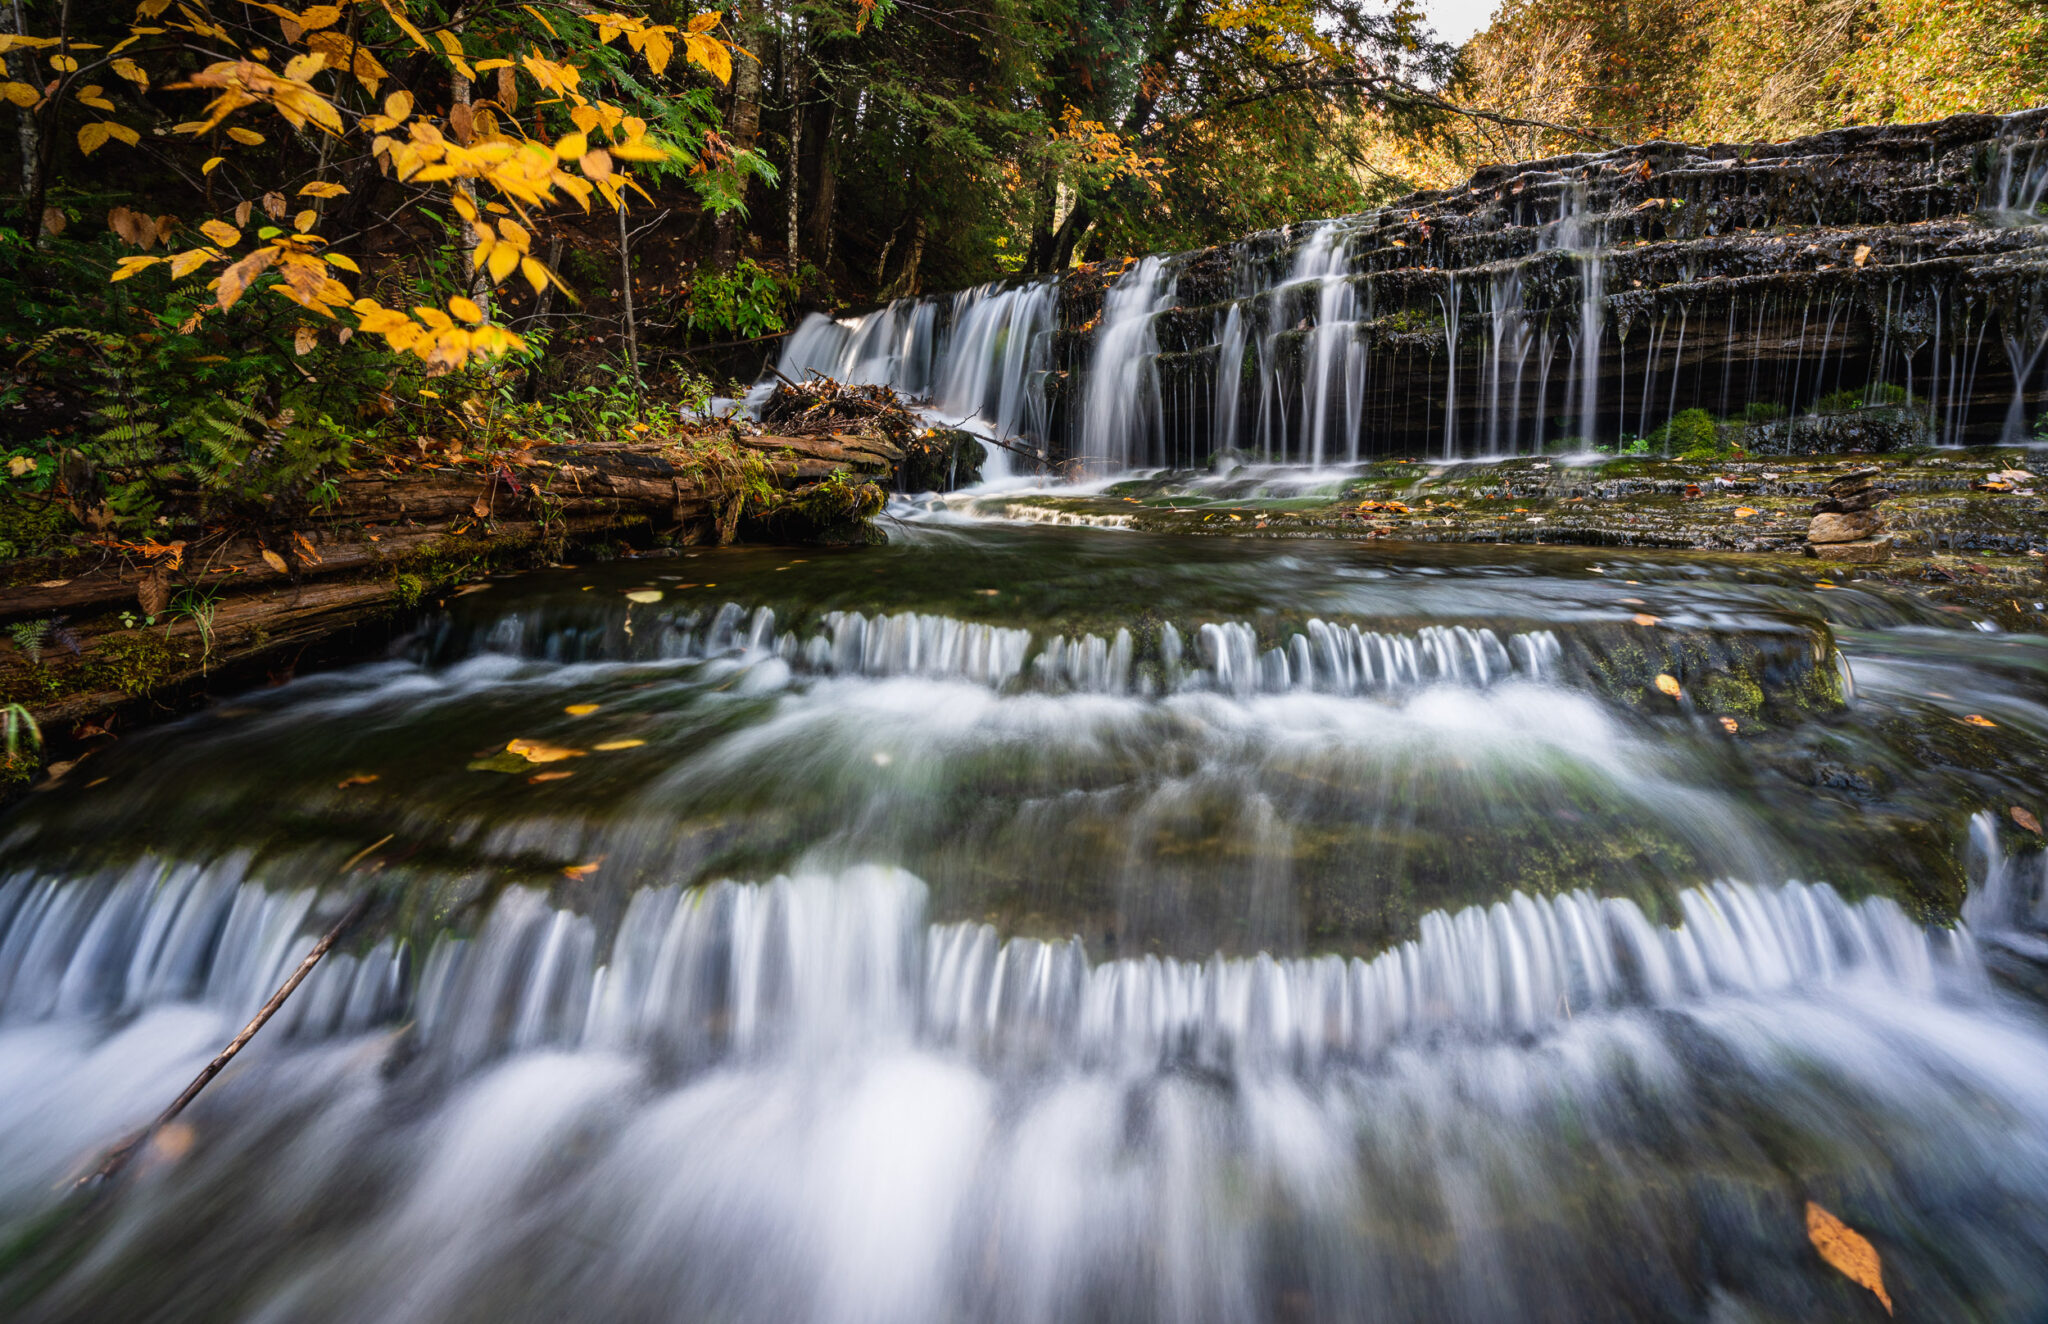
x=307, y=76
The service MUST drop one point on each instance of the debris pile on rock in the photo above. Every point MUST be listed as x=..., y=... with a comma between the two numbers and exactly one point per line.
x=1847, y=525
x=819, y=406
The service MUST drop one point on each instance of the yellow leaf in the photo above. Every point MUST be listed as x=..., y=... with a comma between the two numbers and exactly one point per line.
x=582, y=870
x=582, y=709
x=639, y=149
x=212, y=164
x=304, y=340
x=227, y=236
x=189, y=261
x=1668, y=684
x=405, y=25
x=1975, y=720
x=1845, y=1249
x=319, y=16
x=644, y=595
x=539, y=751
x=1743, y=512
x=304, y=220
x=21, y=94
x=465, y=309
x=236, y=278
x=536, y=274
x=64, y=64
x=611, y=745
x=705, y=22
x=128, y=266
x=543, y=21
x=323, y=189
x=572, y=147
x=711, y=54
x=343, y=261
x=128, y=69
x=275, y=562
x=503, y=261
x=246, y=137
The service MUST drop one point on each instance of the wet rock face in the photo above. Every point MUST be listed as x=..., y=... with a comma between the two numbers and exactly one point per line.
x=1864, y=289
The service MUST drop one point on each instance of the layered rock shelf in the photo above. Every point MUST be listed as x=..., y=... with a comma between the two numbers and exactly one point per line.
x=1861, y=290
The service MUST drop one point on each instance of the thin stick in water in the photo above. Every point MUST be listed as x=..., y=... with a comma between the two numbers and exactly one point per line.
x=121, y=1153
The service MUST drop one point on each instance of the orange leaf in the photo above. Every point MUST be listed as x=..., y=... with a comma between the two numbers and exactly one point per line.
x=1668, y=684
x=1974, y=719
x=582, y=870
x=1644, y=618
x=536, y=751
x=275, y=562
x=553, y=776
x=581, y=709
x=1844, y=1248
x=359, y=779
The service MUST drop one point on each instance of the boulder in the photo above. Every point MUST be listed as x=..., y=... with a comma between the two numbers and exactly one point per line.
x=1861, y=552
x=1852, y=526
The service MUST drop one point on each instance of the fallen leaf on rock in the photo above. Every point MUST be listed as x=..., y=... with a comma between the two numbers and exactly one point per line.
x=554, y=776
x=1730, y=725
x=358, y=779
x=1744, y=512
x=275, y=562
x=1668, y=684
x=1974, y=719
x=539, y=751
x=644, y=595
x=582, y=870
x=53, y=583
x=581, y=709
x=1643, y=618
x=610, y=745
x=2026, y=820
x=1845, y=1249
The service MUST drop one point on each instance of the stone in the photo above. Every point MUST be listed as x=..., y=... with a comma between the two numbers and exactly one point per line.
x=1862, y=552
x=1851, y=527
x=1851, y=502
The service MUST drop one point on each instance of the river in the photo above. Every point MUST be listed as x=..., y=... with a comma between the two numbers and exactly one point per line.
x=1049, y=924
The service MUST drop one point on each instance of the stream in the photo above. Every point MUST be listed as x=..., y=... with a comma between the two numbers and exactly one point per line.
x=1023, y=923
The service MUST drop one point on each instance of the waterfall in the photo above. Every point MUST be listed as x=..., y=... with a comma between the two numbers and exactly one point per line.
x=1120, y=413
x=1328, y=342
x=838, y=962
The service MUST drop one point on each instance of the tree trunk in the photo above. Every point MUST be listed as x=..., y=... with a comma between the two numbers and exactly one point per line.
x=22, y=68
x=626, y=303
x=745, y=122
x=825, y=186
x=793, y=87
x=905, y=283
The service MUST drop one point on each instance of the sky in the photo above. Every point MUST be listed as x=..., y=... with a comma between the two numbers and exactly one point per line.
x=1456, y=20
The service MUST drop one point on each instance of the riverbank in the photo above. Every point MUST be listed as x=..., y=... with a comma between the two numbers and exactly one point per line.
x=115, y=632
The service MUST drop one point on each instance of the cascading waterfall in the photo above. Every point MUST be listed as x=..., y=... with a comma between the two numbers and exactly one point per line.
x=1121, y=409
x=1534, y=308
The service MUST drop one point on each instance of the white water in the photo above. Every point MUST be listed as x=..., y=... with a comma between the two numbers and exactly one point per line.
x=796, y=1100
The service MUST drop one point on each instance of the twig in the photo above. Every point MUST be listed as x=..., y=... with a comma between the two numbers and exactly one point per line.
x=118, y=1157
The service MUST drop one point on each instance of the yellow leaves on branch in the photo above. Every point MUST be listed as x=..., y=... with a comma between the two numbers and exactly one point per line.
x=247, y=83
x=92, y=137
x=657, y=41
x=1846, y=1249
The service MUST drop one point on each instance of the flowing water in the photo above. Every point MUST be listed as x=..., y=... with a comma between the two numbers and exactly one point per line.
x=1036, y=924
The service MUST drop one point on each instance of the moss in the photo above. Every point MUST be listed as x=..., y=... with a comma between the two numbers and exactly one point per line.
x=408, y=589
x=133, y=662
x=31, y=528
